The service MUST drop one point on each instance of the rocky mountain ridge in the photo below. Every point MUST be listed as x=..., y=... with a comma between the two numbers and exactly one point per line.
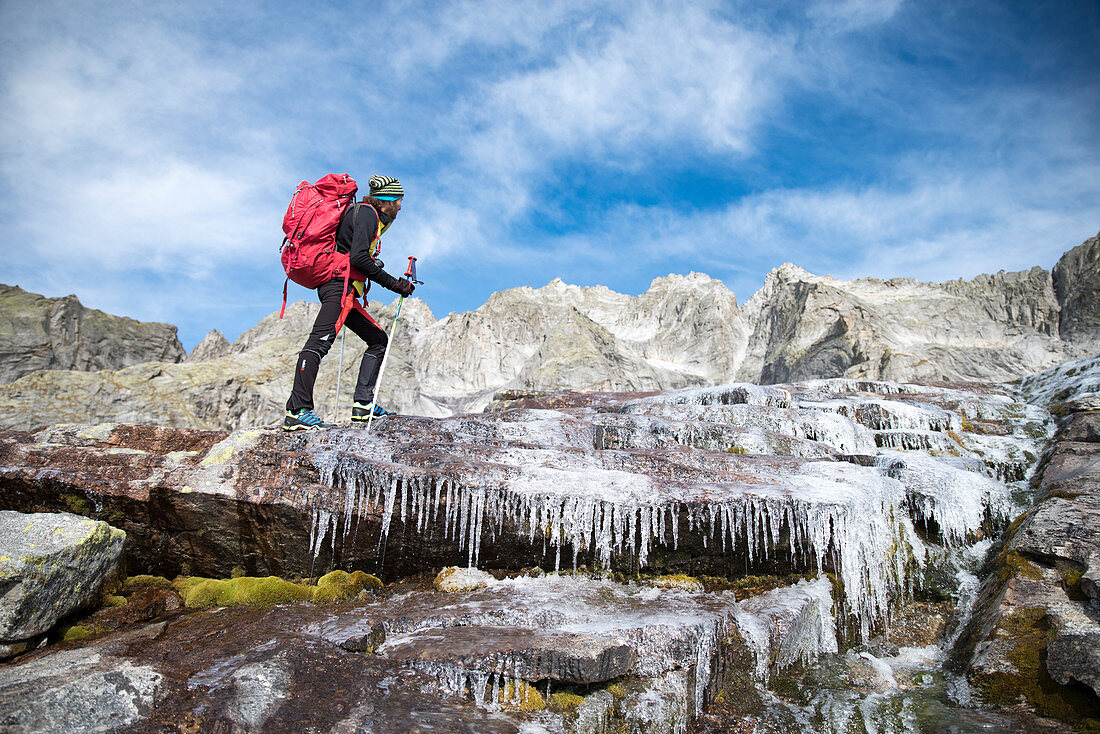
x=39, y=333
x=683, y=331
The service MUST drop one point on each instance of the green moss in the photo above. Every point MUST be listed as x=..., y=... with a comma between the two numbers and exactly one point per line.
x=236, y=572
x=1031, y=630
x=751, y=585
x=111, y=601
x=249, y=590
x=565, y=703
x=342, y=586
x=520, y=696
x=1064, y=494
x=1071, y=578
x=115, y=518
x=334, y=577
x=143, y=580
x=1020, y=566
x=184, y=584
x=736, y=450
x=77, y=632
x=77, y=504
x=616, y=690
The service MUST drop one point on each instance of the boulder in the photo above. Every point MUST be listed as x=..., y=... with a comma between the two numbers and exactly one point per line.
x=453, y=579
x=51, y=564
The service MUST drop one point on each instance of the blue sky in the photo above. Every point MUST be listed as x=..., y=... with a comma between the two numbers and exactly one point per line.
x=149, y=149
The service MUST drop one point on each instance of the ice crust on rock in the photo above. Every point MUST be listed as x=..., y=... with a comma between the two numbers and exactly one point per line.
x=954, y=498
x=1076, y=383
x=676, y=636
x=562, y=481
x=789, y=625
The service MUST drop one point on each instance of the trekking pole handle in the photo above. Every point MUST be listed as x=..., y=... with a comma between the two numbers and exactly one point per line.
x=410, y=273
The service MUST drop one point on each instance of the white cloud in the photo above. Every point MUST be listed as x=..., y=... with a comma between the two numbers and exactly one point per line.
x=661, y=74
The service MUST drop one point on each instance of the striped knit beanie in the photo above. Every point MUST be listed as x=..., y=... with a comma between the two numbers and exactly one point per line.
x=385, y=188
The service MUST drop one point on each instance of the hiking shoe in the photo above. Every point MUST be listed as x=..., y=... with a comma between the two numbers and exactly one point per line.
x=363, y=411
x=304, y=420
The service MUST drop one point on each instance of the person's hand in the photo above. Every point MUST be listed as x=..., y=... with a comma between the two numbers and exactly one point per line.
x=404, y=287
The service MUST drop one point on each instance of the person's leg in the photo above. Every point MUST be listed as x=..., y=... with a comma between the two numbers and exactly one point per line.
x=375, y=338
x=317, y=345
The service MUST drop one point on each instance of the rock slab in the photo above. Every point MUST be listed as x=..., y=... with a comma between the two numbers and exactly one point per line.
x=51, y=564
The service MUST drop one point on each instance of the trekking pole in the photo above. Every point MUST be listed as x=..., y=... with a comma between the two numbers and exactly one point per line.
x=410, y=274
x=340, y=374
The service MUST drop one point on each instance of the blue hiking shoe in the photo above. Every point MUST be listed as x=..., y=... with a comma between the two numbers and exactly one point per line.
x=304, y=420
x=361, y=412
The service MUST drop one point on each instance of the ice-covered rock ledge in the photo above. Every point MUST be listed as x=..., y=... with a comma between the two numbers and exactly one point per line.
x=843, y=476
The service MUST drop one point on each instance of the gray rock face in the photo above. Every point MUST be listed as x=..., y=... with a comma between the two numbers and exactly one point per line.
x=212, y=346
x=1075, y=658
x=39, y=333
x=991, y=328
x=687, y=476
x=1077, y=283
x=51, y=564
x=1082, y=428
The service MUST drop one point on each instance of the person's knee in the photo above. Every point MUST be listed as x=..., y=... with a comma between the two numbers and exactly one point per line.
x=321, y=345
x=319, y=349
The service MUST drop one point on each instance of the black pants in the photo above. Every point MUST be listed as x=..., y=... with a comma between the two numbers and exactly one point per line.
x=320, y=341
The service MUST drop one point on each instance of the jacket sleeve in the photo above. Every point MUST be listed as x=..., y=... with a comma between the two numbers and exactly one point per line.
x=364, y=227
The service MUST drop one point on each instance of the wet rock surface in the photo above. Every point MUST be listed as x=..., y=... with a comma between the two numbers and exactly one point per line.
x=517, y=652
x=679, y=501
x=231, y=670
x=51, y=564
x=1036, y=631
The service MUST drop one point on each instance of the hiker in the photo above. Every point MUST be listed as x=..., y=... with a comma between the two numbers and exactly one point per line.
x=358, y=234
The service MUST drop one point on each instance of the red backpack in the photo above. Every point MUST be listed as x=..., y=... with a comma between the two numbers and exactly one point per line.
x=309, y=249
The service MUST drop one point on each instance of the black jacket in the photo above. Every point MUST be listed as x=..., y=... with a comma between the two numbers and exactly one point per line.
x=355, y=234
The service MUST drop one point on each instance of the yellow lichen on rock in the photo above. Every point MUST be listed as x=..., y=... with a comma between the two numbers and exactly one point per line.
x=223, y=452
